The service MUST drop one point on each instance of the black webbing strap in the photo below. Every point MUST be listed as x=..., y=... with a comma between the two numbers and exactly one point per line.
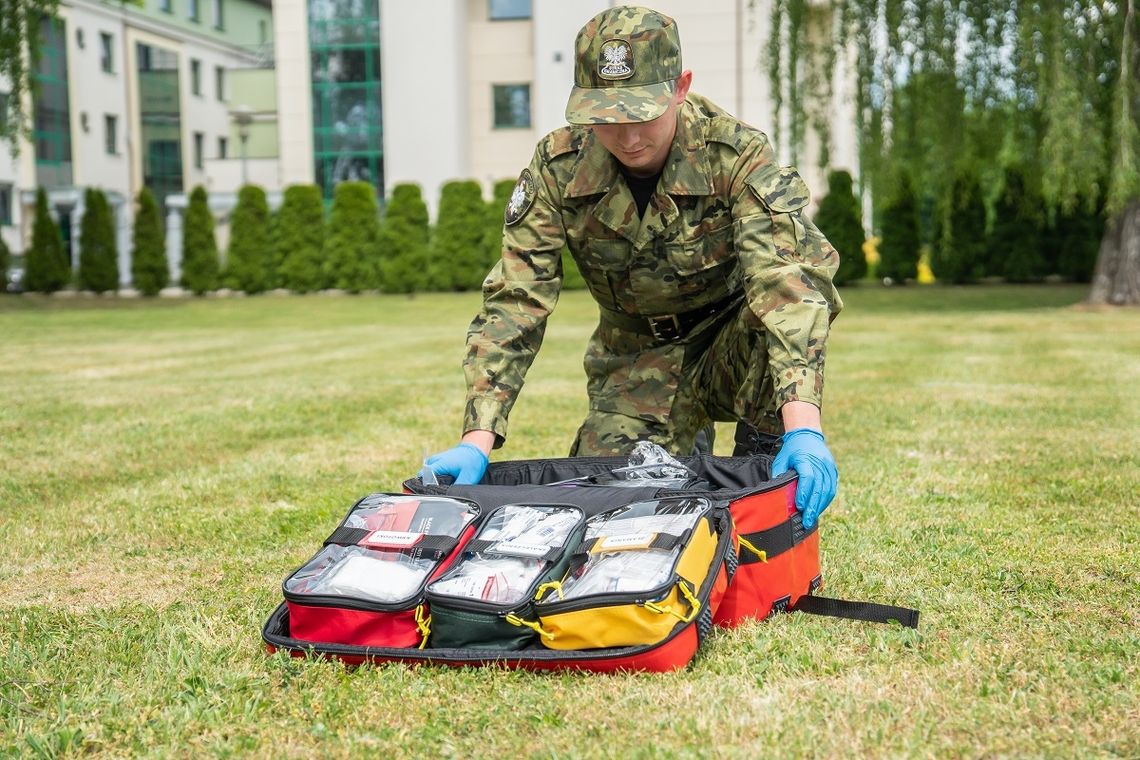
x=866, y=611
x=436, y=547
x=775, y=540
x=482, y=545
x=665, y=541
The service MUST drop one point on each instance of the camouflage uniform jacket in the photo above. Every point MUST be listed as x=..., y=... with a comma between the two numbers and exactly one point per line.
x=725, y=219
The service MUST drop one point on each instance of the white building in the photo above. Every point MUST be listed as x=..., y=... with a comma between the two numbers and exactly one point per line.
x=465, y=88
x=129, y=96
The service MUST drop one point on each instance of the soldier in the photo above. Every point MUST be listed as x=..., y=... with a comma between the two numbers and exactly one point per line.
x=714, y=292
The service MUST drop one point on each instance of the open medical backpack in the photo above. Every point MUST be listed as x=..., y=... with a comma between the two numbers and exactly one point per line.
x=552, y=564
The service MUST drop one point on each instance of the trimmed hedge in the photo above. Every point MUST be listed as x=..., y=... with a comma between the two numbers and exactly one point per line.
x=1016, y=243
x=150, y=271
x=48, y=266
x=902, y=241
x=248, y=265
x=458, y=248
x=351, y=246
x=840, y=220
x=299, y=238
x=403, y=242
x=959, y=253
x=200, y=265
x=5, y=262
x=98, y=253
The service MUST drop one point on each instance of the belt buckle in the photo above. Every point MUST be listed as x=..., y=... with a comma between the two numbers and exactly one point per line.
x=666, y=327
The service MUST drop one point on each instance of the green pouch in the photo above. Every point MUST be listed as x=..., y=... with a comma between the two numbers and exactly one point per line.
x=486, y=599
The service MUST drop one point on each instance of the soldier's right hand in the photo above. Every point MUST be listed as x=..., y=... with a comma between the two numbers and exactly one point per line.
x=466, y=463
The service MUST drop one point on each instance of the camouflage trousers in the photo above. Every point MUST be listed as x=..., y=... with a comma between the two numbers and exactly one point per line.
x=669, y=393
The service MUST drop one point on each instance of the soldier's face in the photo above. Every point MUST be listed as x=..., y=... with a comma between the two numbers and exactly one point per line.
x=643, y=147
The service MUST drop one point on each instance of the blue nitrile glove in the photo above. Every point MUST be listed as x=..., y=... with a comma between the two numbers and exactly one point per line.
x=806, y=452
x=466, y=463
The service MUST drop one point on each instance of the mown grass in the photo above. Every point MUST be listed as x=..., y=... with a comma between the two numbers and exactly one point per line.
x=163, y=465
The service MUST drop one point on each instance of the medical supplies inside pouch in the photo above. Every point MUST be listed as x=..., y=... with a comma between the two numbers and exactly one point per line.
x=366, y=585
x=486, y=600
x=635, y=576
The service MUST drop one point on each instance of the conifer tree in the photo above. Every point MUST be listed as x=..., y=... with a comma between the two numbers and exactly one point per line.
x=840, y=220
x=48, y=266
x=351, y=249
x=1015, y=251
x=150, y=271
x=900, y=249
x=403, y=241
x=458, y=248
x=248, y=265
x=98, y=254
x=200, y=266
x=959, y=253
x=298, y=239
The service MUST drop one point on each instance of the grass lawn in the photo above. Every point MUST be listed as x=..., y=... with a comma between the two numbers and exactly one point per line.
x=163, y=466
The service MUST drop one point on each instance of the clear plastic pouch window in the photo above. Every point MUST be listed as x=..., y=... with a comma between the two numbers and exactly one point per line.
x=623, y=559
x=503, y=574
x=413, y=514
x=386, y=577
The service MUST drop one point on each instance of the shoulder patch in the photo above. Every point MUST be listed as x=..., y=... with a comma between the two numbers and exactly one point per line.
x=522, y=198
x=782, y=191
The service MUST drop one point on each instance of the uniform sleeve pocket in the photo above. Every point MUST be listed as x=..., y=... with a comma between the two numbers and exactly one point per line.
x=782, y=191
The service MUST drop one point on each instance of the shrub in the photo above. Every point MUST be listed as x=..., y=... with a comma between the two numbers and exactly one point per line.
x=403, y=241
x=571, y=276
x=960, y=248
x=150, y=272
x=1076, y=240
x=5, y=262
x=299, y=237
x=351, y=245
x=840, y=220
x=496, y=210
x=48, y=266
x=98, y=253
x=901, y=244
x=248, y=265
x=1015, y=243
x=200, y=265
x=458, y=248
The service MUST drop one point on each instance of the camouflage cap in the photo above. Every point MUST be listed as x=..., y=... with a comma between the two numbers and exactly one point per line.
x=626, y=64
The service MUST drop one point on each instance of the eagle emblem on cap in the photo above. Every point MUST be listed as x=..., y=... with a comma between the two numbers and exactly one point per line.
x=522, y=198
x=616, y=60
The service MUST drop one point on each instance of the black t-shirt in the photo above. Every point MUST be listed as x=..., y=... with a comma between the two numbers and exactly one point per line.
x=641, y=187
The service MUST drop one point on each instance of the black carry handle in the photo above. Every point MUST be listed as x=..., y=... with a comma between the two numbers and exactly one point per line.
x=867, y=611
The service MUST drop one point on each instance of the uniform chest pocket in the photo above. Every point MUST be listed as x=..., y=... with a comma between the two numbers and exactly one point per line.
x=687, y=257
x=607, y=254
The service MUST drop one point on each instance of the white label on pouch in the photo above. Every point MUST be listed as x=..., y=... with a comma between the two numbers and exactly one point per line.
x=392, y=538
x=517, y=548
x=628, y=541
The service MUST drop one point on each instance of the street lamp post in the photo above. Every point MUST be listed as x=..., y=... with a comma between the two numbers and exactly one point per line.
x=243, y=117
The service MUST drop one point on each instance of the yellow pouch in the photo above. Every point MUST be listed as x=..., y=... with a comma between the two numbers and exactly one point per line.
x=628, y=617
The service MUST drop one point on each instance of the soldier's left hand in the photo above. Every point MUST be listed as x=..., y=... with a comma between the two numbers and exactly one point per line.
x=805, y=451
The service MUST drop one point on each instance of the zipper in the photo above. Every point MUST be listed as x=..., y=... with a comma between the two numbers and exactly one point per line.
x=611, y=600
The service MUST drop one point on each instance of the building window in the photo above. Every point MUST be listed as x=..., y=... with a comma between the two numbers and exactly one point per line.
x=220, y=82
x=219, y=18
x=192, y=10
x=111, y=133
x=509, y=10
x=512, y=106
x=199, y=143
x=160, y=120
x=344, y=41
x=223, y=147
x=51, y=131
x=3, y=110
x=262, y=32
x=195, y=77
x=107, y=52
x=166, y=5
x=6, y=205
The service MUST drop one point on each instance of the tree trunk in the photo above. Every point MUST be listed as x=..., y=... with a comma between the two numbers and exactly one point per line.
x=1117, y=277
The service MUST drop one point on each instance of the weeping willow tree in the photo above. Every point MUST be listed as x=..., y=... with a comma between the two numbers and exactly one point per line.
x=19, y=54
x=945, y=89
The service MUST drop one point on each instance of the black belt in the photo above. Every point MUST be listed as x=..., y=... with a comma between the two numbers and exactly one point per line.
x=668, y=327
